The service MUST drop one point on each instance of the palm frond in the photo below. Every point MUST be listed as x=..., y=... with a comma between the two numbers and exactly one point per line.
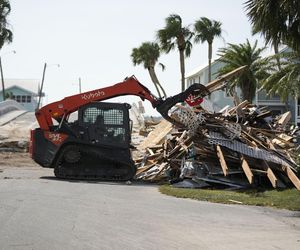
x=6, y=35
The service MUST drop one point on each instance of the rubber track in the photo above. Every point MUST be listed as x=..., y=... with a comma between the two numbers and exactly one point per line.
x=97, y=157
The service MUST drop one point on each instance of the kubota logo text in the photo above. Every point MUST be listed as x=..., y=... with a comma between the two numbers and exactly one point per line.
x=93, y=95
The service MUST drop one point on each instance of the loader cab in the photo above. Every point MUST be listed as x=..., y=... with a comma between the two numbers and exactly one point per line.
x=105, y=123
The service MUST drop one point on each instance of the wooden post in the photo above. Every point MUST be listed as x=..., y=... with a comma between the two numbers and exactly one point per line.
x=247, y=169
x=273, y=179
x=222, y=160
x=294, y=179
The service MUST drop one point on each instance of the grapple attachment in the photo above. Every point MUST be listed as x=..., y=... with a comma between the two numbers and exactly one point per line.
x=192, y=95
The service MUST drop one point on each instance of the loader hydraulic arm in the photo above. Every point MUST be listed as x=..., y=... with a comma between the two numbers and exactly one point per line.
x=131, y=86
x=61, y=109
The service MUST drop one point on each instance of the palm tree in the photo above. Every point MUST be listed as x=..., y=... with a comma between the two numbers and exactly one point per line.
x=6, y=35
x=174, y=35
x=206, y=30
x=286, y=80
x=148, y=54
x=278, y=21
x=236, y=55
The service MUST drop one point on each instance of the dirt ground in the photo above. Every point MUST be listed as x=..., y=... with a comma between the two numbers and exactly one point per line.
x=13, y=159
x=17, y=159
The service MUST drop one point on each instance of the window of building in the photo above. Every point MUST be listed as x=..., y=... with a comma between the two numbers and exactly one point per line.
x=22, y=98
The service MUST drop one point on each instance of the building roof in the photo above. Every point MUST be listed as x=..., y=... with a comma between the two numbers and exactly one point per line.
x=195, y=70
x=30, y=85
x=200, y=68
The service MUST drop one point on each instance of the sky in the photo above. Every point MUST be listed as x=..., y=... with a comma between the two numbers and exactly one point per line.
x=93, y=40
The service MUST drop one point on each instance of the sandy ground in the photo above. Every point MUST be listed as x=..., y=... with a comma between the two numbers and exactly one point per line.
x=10, y=159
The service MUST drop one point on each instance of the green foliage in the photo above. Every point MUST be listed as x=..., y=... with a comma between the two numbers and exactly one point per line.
x=236, y=55
x=6, y=35
x=8, y=95
x=206, y=30
x=174, y=35
x=285, y=199
x=277, y=20
x=147, y=54
x=284, y=80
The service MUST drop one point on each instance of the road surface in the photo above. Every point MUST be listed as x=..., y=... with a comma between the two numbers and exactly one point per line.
x=40, y=212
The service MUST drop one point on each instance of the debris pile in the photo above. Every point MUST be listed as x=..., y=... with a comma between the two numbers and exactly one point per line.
x=14, y=136
x=239, y=147
x=14, y=146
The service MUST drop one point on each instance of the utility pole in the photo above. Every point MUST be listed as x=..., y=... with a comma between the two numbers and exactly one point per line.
x=2, y=80
x=2, y=77
x=42, y=84
x=79, y=85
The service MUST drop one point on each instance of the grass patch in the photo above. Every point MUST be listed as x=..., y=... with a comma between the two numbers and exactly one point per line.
x=285, y=199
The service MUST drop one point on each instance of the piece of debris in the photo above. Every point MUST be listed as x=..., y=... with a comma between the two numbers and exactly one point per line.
x=237, y=202
x=242, y=147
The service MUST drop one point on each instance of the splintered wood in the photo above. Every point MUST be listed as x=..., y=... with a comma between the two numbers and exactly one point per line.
x=157, y=135
x=242, y=147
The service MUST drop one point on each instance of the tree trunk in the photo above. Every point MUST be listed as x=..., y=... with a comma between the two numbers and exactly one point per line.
x=209, y=61
x=275, y=45
x=246, y=92
x=236, y=99
x=158, y=83
x=182, y=69
x=286, y=104
x=153, y=76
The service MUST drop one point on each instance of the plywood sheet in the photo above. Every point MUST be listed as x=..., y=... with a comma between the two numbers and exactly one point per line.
x=157, y=135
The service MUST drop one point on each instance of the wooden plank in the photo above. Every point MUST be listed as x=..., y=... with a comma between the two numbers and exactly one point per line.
x=144, y=169
x=157, y=135
x=211, y=86
x=178, y=147
x=156, y=147
x=253, y=139
x=294, y=179
x=181, y=143
x=247, y=170
x=160, y=169
x=150, y=157
x=239, y=106
x=284, y=119
x=222, y=160
x=150, y=151
x=165, y=147
x=270, y=174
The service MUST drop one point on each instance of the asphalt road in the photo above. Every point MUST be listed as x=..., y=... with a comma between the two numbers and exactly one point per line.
x=40, y=212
